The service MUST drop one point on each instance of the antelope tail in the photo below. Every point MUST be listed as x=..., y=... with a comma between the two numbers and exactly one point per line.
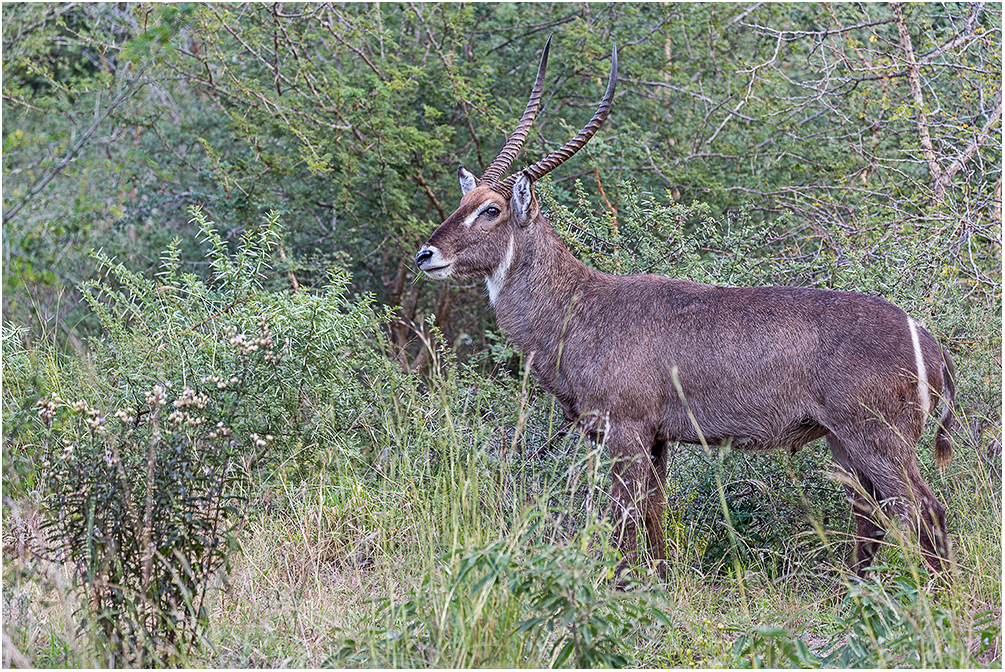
x=943, y=439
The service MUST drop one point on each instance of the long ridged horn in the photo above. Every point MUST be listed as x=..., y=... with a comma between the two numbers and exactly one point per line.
x=560, y=156
x=501, y=164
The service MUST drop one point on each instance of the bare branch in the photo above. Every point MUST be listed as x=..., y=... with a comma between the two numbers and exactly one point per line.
x=329, y=25
x=927, y=150
x=421, y=181
x=21, y=102
x=968, y=35
x=968, y=153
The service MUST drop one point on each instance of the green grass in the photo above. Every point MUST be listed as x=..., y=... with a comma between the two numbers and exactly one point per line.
x=402, y=520
x=450, y=545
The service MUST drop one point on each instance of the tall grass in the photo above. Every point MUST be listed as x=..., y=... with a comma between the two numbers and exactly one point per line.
x=449, y=544
x=439, y=521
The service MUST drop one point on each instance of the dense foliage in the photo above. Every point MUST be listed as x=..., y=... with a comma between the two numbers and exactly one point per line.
x=214, y=338
x=353, y=120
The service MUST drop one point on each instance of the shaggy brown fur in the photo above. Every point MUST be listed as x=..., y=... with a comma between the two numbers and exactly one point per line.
x=764, y=367
x=642, y=361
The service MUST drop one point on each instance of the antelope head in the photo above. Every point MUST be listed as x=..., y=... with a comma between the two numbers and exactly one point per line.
x=482, y=236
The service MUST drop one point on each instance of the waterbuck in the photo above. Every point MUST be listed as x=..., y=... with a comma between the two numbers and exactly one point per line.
x=641, y=361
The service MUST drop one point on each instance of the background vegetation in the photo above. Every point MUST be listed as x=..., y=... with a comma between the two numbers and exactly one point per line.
x=240, y=430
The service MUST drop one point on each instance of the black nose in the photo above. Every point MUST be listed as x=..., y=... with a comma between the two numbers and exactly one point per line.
x=423, y=256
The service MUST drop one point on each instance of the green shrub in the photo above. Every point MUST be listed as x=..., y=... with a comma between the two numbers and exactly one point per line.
x=146, y=448
x=283, y=361
x=897, y=622
x=891, y=621
x=769, y=647
x=519, y=600
x=142, y=507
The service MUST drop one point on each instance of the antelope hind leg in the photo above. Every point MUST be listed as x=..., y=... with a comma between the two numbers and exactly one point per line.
x=656, y=506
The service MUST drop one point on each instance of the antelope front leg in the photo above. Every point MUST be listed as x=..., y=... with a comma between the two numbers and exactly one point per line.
x=631, y=505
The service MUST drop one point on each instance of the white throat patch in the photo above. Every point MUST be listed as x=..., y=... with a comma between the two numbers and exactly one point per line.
x=495, y=282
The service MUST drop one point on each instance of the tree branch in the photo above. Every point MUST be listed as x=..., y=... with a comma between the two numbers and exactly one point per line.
x=968, y=35
x=421, y=181
x=925, y=140
x=444, y=304
x=41, y=184
x=968, y=153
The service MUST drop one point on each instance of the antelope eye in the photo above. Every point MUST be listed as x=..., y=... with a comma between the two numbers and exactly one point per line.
x=491, y=211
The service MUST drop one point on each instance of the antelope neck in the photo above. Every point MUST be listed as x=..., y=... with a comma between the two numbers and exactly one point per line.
x=532, y=305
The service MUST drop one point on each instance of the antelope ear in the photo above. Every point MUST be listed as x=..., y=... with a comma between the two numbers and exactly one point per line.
x=521, y=203
x=467, y=179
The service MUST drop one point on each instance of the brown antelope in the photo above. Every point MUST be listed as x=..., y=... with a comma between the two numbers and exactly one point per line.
x=642, y=361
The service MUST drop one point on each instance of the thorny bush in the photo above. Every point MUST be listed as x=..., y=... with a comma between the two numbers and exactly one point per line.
x=196, y=385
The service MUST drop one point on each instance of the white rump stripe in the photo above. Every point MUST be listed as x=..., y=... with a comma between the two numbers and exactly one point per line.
x=495, y=282
x=919, y=360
